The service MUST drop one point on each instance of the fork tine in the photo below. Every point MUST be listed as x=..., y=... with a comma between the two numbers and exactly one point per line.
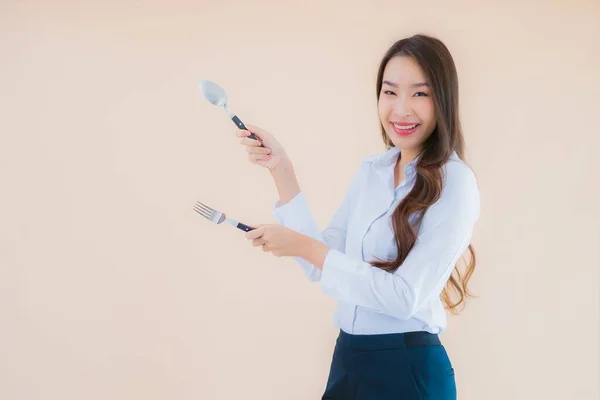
x=204, y=213
x=199, y=210
x=204, y=206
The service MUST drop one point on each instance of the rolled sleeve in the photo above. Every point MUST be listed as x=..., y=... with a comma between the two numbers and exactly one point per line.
x=296, y=215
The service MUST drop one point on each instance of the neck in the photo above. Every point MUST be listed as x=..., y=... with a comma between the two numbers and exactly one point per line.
x=406, y=156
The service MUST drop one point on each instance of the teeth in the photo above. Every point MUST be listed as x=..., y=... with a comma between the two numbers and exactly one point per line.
x=406, y=128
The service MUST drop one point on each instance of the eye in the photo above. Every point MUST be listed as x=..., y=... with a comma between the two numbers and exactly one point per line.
x=420, y=94
x=389, y=92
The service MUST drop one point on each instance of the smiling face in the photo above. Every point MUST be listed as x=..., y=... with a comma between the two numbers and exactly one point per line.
x=406, y=108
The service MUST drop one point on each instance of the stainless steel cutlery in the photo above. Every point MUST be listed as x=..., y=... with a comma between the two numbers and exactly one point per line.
x=218, y=217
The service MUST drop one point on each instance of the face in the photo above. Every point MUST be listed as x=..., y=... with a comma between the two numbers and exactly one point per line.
x=406, y=108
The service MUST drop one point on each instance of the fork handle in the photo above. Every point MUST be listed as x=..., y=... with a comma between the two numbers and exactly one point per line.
x=241, y=125
x=244, y=227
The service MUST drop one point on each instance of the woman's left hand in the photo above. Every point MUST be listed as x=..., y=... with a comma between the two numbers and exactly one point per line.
x=278, y=240
x=285, y=242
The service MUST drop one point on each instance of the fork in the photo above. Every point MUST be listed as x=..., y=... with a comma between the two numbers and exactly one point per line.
x=218, y=217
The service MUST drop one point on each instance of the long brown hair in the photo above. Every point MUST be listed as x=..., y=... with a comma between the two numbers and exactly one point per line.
x=437, y=64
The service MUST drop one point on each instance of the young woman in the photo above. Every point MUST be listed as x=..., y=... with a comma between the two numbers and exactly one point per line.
x=389, y=254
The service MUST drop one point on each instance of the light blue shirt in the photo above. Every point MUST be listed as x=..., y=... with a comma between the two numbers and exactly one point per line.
x=370, y=300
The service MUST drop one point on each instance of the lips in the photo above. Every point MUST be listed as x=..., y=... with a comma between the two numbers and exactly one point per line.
x=405, y=128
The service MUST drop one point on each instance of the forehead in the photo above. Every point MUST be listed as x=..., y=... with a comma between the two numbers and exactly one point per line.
x=403, y=70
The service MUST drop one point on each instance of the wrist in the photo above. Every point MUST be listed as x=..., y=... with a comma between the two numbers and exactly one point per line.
x=286, y=182
x=284, y=168
x=313, y=251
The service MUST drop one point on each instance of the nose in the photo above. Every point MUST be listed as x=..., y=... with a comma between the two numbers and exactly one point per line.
x=403, y=106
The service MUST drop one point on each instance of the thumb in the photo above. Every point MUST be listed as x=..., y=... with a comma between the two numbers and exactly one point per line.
x=255, y=233
x=261, y=133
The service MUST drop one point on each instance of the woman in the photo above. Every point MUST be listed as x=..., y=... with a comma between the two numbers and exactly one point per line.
x=389, y=254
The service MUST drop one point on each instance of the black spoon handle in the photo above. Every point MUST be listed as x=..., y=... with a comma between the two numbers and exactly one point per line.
x=241, y=125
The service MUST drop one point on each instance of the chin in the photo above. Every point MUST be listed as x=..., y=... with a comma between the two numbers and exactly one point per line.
x=405, y=143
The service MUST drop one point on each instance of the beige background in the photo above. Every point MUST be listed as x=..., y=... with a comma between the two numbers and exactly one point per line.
x=112, y=288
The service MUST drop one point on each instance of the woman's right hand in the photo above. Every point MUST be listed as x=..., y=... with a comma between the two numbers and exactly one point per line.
x=270, y=156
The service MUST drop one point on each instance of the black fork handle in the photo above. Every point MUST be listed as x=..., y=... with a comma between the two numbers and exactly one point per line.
x=244, y=227
x=241, y=125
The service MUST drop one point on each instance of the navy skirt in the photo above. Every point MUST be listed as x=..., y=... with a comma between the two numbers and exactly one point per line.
x=399, y=366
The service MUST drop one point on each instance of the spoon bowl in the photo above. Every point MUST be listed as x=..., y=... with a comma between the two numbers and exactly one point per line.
x=217, y=96
x=214, y=93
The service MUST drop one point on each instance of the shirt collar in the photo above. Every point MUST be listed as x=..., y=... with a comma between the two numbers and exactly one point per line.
x=384, y=164
x=388, y=159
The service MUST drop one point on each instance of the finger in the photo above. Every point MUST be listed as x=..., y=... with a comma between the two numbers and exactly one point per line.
x=250, y=142
x=255, y=233
x=258, y=159
x=257, y=131
x=258, y=150
x=258, y=242
x=269, y=230
x=242, y=133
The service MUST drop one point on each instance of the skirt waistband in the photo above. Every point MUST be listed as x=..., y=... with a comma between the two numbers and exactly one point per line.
x=387, y=340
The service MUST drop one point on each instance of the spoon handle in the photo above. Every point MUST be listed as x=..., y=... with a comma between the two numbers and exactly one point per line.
x=241, y=125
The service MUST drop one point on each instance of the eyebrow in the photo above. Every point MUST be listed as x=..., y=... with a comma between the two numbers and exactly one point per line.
x=392, y=84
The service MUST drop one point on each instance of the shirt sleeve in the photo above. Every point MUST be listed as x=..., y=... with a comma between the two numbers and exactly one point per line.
x=297, y=216
x=444, y=235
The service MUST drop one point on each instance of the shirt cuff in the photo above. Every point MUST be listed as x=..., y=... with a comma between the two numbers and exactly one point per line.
x=296, y=215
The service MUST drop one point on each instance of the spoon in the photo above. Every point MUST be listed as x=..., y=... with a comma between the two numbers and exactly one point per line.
x=217, y=96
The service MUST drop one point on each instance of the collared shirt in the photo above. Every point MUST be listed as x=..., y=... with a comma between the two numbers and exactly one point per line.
x=370, y=300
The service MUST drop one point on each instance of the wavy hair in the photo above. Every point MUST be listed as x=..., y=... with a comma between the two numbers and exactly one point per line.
x=436, y=62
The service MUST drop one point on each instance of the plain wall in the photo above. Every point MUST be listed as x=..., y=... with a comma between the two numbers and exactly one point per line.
x=111, y=287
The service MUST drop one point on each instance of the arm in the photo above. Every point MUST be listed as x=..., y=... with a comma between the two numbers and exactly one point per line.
x=444, y=235
x=285, y=182
x=292, y=211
